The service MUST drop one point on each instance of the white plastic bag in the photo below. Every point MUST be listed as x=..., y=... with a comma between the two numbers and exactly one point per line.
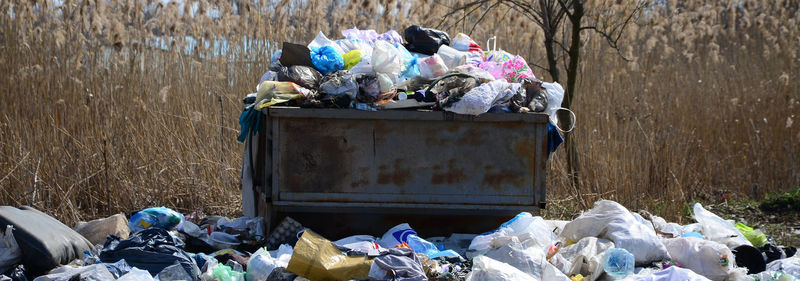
x=717, y=229
x=354, y=44
x=528, y=260
x=708, y=258
x=487, y=269
x=674, y=273
x=610, y=220
x=136, y=275
x=385, y=82
x=663, y=227
x=322, y=40
x=396, y=236
x=533, y=231
x=10, y=252
x=551, y=273
x=95, y=272
x=555, y=95
x=363, y=67
x=432, y=67
x=262, y=263
x=480, y=99
x=586, y=256
x=789, y=266
x=386, y=59
x=452, y=58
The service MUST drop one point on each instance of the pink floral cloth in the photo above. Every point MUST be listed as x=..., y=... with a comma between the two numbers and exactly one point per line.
x=516, y=69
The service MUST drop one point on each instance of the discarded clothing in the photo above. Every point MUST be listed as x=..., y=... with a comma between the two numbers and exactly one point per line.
x=554, y=139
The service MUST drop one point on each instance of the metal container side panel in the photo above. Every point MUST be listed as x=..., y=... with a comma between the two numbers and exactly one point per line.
x=346, y=156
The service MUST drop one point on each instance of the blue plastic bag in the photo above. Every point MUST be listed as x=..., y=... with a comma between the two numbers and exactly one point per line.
x=420, y=245
x=160, y=217
x=618, y=263
x=326, y=59
x=409, y=61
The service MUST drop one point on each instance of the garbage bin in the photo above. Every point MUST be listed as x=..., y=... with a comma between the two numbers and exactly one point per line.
x=342, y=172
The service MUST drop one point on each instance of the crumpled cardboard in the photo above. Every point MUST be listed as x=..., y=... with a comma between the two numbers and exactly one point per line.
x=317, y=258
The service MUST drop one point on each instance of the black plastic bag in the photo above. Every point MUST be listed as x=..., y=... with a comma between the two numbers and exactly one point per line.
x=295, y=54
x=425, y=40
x=152, y=249
x=304, y=76
x=749, y=257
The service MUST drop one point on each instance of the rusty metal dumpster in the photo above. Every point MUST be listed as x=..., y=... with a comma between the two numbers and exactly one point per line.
x=342, y=172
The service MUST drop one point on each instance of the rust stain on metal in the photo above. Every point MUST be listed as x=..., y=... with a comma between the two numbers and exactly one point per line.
x=526, y=148
x=452, y=176
x=362, y=178
x=505, y=177
x=398, y=175
x=307, y=152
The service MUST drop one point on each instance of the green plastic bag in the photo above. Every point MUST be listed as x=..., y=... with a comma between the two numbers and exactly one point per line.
x=225, y=273
x=352, y=58
x=758, y=238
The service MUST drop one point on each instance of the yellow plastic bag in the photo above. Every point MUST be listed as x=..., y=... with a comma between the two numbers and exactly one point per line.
x=317, y=258
x=352, y=58
x=273, y=92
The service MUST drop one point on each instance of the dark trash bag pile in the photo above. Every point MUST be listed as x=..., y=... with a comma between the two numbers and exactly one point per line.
x=607, y=242
x=422, y=69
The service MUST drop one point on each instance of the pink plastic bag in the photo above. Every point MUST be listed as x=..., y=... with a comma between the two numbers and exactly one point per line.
x=493, y=68
x=517, y=69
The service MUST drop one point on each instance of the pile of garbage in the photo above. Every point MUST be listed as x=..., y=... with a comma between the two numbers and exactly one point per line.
x=607, y=242
x=424, y=68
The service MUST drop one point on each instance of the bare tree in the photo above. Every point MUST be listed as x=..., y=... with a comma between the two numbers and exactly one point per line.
x=562, y=22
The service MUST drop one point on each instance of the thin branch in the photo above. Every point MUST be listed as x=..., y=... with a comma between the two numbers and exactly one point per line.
x=482, y=16
x=539, y=66
x=466, y=6
x=561, y=45
x=565, y=8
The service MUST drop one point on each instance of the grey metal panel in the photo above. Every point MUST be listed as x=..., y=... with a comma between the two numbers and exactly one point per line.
x=276, y=156
x=402, y=115
x=399, y=163
x=540, y=166
x=391, y=207
x=416, y=159
x=399, y=198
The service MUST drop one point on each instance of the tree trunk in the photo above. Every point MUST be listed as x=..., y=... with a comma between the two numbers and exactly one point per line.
x=573, y=165
x=552, y=61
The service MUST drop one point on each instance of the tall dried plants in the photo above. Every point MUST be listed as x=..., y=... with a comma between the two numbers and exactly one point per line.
x=110, y=106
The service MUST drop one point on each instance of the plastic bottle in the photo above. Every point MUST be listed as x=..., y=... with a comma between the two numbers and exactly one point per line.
x=618, y=263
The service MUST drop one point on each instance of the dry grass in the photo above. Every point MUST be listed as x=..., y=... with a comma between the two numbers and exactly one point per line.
x=95, y=120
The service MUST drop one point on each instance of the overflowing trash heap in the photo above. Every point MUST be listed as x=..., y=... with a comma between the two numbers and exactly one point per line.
x=425, y=68
x=607, y=242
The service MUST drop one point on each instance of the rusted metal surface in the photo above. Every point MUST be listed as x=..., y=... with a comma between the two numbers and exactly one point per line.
x=393, y=165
